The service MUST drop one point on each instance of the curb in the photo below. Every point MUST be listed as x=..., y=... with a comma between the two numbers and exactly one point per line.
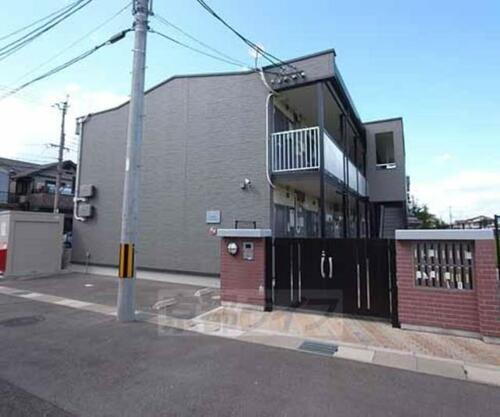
x=430, y=365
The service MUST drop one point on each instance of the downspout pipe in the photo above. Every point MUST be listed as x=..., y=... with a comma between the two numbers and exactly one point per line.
x=76, y=199
x=268, y=101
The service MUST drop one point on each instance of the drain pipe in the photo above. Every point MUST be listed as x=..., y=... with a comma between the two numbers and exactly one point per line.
x=268, y=100
x=76, y=199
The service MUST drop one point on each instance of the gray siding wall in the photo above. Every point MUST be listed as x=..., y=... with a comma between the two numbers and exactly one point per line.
x=386, y=185
x=202, y=137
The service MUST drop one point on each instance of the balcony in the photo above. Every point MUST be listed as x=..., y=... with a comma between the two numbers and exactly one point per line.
x=295, y=151
x=44, y=200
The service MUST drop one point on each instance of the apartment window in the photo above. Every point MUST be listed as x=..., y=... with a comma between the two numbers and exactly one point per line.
x=50, y=187
x=384, y=144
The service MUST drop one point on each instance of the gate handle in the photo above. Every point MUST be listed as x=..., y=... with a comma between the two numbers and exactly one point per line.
x=322, y=264
x=330, y=260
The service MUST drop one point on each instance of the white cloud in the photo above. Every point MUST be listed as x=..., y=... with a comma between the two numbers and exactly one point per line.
x=445, y=157
x=469, y=193
x=29, y=123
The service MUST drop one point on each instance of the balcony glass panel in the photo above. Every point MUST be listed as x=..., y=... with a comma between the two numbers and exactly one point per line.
x=353, y=176
x=362, y=184
x=334, y=158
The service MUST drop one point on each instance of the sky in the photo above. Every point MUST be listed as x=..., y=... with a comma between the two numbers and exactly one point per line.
x=435, y=63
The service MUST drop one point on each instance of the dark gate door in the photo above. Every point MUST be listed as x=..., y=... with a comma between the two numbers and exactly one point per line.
x=285, y=268
x=352, y=276
x=312, y=275
x=378, y=278
x=341, y=256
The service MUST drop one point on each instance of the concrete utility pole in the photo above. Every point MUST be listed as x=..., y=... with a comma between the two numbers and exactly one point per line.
x=126, y=288
x=63, y=107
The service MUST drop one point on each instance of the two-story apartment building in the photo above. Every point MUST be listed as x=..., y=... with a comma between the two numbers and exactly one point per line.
x=283, y=148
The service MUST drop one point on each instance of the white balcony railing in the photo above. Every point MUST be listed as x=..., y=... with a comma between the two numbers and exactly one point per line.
x=295, y=150
x=298, y=150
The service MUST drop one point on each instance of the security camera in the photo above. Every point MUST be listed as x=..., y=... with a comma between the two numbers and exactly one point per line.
x=246, y=184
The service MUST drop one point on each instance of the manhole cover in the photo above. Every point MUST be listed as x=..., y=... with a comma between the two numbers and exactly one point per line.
x=319, y=348
x=22, y=321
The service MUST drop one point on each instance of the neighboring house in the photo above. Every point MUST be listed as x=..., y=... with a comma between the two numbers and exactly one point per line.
x=32, y=186
x=478, y=222
x=4, y=186
x=220, y=149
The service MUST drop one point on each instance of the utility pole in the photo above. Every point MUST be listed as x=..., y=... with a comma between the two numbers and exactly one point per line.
x=126, y=286
x=63, y=107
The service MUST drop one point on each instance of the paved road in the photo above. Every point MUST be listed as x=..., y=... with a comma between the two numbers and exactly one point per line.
x=86, y=364
x=19, y=403
x=102, y=290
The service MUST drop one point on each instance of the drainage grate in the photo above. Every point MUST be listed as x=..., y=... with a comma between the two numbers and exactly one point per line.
x=326, y=349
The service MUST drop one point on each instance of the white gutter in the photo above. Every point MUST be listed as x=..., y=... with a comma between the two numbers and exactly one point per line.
x=76, y=198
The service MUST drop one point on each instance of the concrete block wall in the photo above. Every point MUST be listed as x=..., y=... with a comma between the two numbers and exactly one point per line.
x=242, y=281
x=475, y=311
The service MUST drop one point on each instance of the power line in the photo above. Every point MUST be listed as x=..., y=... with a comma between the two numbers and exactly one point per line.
x=119, y=36
x=269, y=57
x=45, y=26
x=38, y=159
x=77, y=41
x=20, y=43
x=23, y=96
x=22, y=29
x=199, y=42
x=184, y=45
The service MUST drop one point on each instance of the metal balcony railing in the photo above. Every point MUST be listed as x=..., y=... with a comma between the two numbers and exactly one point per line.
x=295, y=150
x=43, y=200
x=298, y=150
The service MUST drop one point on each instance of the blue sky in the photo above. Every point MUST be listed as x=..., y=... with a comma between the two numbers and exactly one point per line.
x=435, y=63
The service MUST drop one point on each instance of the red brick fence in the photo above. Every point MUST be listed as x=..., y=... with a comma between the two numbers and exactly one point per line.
x=447, y=280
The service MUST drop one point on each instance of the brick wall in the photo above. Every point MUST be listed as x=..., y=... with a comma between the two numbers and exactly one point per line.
x=488, y=289
x=242, y=281
x=475, y=310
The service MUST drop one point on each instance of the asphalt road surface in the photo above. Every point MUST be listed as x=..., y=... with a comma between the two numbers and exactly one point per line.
x=58, y=361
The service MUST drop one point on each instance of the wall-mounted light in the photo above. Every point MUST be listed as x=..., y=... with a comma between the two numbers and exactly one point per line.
x=232, y=248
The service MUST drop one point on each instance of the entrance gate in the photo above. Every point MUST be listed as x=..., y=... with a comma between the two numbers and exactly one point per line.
x=350, y=276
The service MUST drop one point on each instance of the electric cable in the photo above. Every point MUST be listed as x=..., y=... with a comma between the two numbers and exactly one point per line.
x=76, y=42
x=119, y=36
x=268, y=56
x=15, y=32
x=199, y=42
x=14, y=46
x=195, y=49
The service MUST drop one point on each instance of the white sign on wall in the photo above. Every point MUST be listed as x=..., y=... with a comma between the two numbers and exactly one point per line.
x=3, y=229
x=213, y=217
